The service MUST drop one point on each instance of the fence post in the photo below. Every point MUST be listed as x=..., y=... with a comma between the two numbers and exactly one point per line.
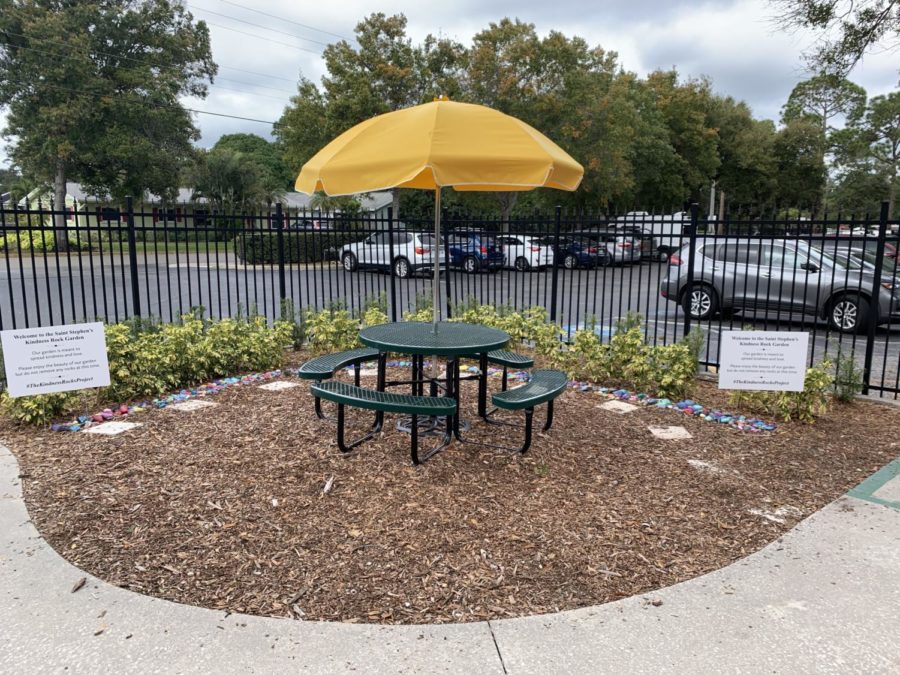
x=390, y=214
x=876, y=292
x=692, y=240
x=555, y=283
x=132, y=258
x=279, y=233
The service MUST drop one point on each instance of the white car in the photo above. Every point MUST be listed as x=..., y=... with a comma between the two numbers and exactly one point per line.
x=524, y=252
x=412, y=252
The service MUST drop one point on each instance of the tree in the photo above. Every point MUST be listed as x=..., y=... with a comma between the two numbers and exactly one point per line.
x=824, y=97
x=92, y=89
x=229, y=180
x=385, y=73
x=274, y=175
x=848, y=29
x=747, y=172
x=801, y=169
x=684, y=110
x=868, y=157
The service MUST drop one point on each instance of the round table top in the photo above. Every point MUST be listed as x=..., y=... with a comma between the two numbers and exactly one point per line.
x=418, y=337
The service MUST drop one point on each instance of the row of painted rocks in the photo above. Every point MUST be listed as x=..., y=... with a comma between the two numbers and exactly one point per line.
x=120, y=412
x=686, y=407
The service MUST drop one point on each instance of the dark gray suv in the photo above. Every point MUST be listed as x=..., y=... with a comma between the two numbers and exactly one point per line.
x=779, y=275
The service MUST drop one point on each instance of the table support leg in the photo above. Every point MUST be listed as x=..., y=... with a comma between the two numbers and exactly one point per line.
x=381, y=385
x=482, y=384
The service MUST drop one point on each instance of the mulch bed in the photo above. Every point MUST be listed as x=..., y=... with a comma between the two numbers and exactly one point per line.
x=226, y=507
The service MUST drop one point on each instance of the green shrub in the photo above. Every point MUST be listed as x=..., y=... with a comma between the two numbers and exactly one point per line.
x=804, y=405
x=662, y=370
x=260, y=248
x=39, y=240
x=151, y=361
x=39, y=409
x=848, y=377
x=331, y=330
x=374, y=316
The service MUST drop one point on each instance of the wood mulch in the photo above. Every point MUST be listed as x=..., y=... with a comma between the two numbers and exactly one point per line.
x=228, y=508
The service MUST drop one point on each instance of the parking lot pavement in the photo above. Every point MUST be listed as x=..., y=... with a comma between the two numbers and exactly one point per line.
x=88, y=287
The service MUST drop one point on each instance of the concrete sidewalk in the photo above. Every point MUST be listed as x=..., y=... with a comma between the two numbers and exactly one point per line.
x=823, y=598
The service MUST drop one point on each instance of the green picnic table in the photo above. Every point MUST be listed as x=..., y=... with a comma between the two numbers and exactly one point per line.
x=451, y=340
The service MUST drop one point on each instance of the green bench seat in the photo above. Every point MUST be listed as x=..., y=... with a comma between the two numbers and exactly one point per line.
x=508, y=359
x=544, y=387
x=344, y=394
x=369, y=399
x=324, y=367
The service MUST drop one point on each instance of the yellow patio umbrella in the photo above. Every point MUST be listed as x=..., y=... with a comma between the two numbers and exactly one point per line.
x=436, y=145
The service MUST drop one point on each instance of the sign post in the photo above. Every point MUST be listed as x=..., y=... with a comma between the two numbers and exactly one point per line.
x=56, y=358
x=763, y=360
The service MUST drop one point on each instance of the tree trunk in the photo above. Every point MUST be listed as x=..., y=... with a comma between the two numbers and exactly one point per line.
x=507, y=202
x=60, y=234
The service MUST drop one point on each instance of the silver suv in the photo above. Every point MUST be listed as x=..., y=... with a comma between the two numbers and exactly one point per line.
x=412, y=252
x=779, y=275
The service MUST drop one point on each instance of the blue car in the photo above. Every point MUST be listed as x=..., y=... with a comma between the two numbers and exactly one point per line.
x=473, y=252
x=576, y=251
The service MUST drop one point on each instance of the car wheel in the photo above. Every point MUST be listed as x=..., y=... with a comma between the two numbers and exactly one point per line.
x=349, y=262
x=570, y=262
x=470, y=264
x=402, y=268
x=700, y=302
x=662, y=256
x=607, y=261
x=849, y=314
x=522, y=264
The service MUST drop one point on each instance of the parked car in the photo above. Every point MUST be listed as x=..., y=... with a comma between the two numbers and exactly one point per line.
x=574, y=251
x=639, y=225
x=475, y=251
x=412, y=252
x=858, y=244
x=525, y=252
x=621, y=248
x=779, y=275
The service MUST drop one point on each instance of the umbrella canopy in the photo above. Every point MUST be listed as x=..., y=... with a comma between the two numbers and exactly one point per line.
x=440, y=144
x=435, y=145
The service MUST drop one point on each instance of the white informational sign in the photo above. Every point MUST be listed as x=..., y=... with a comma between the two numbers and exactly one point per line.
x=56, y=358
x=763, y=360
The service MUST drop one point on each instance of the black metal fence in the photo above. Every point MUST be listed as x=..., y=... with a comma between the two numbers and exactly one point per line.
x=832, y=277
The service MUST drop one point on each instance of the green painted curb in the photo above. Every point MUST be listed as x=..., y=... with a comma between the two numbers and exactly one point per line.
x=867, y=489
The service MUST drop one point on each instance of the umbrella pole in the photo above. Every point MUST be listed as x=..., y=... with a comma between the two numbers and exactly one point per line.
x=435, y=286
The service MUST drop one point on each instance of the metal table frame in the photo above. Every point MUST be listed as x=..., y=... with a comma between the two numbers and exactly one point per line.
x=453, y=341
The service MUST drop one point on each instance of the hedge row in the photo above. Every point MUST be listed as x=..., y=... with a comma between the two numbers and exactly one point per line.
x=299, y=247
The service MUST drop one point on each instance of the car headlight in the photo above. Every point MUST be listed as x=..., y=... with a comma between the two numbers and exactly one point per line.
x=888, y=285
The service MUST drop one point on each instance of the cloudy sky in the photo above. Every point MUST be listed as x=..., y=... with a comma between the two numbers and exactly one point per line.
x=735, y=42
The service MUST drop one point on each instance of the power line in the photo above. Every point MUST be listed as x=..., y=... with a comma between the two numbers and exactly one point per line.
x=257, y=25
x=253, y=72
x=281, y=18
x=253, y=84
x=249, y=93
x=128, y=58
x=93, y=95
x=263, y=37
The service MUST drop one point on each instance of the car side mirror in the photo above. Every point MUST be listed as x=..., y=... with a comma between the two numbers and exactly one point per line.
x=812, y=268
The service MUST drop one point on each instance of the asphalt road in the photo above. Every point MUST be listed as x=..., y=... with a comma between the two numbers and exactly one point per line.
x=45, y=291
